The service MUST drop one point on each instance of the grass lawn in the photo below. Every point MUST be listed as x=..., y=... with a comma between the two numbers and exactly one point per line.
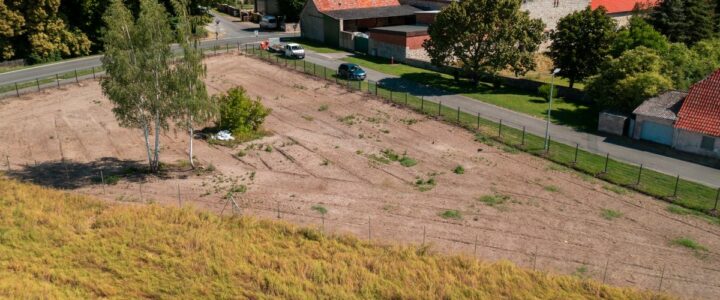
x=311, y=45
x=565, y=111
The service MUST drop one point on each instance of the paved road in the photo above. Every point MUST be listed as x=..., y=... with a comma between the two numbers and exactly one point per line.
x=29, y=74
x=591, y=142
x=594, y=143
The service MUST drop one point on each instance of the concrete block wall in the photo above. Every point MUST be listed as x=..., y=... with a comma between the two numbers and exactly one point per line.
x=546, y=10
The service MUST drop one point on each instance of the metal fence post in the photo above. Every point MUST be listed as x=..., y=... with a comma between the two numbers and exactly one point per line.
x=422, y=104
x=391, y=95
x=458, y=114
x=439, y=107
x=17, y=91
x=57, y=80
x=639, y=175
x=500, y=129
x=93, y=69
x=717, y=197
x=607, y=158
x=37, y=83
x=406, y=97
x=677, y=181
x=76, y=77
x=577, y=146
x=522, y=142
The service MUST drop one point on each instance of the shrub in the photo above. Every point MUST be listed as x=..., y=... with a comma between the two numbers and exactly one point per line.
x=459, y=170
x=240, y=114
x=544, y=91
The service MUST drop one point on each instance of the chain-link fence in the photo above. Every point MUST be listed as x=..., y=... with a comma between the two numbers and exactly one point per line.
x=489, y=129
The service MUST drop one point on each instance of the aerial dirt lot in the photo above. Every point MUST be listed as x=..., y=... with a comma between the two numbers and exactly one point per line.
x=324, y=150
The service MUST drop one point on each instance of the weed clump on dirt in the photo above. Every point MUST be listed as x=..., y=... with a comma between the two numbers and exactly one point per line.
x=551, y=188
x=425, y=185
x=451, y=214
x=494, y=200
x=459, y=170
x=323, y=107
x=689, y=243
x=319, y=209
x=610, y=214
x=92, y=249
x=348, y=120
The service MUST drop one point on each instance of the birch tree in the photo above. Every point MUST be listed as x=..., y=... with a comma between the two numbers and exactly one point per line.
x=193, y=105
x=139, y=78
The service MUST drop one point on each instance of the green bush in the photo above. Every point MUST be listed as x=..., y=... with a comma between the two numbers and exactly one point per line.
x=544, y=91
x=240, y=114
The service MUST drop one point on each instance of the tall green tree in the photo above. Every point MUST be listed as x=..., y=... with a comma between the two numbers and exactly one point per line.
x=628, y=80
x=580, y=43
x=684, y=21
x=139, y=81
x=638, y=33
x=192, y=103
x=291, y=9
x=35, y=30
x=485, y=37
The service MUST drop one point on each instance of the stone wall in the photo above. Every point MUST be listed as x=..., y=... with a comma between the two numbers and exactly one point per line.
x=386, y=50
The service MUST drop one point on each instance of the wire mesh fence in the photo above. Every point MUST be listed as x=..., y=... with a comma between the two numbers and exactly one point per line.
x=411, y=230
x=488, y=129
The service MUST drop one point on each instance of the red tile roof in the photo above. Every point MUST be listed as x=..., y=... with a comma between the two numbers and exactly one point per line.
x=621, y=6
x=700, y=111
x=327, y=5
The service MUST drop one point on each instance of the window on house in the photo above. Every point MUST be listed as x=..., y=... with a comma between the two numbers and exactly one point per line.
x=708, y=143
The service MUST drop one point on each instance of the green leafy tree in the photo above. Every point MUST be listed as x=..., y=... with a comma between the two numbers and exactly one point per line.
x=240, y=114
x=628, y=80
x=140, y=80
x=685, y=21
x=580, y=43
x=193, y=105
x=291, y=9
x=485, y=37
x=638, y=33
x=35, y=30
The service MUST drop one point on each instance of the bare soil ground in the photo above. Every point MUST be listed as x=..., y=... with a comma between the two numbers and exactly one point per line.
x=548, y=218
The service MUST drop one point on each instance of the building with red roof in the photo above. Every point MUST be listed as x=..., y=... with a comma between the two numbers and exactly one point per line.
x=687, y=121
x=698, y=124
x=621, y=10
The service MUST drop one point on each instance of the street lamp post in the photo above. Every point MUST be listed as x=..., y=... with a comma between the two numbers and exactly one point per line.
x=547, y=124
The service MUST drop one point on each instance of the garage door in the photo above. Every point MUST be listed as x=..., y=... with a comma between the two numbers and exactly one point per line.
x=658, y=133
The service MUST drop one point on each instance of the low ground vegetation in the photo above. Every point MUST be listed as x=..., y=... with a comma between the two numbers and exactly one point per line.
x=58, y=244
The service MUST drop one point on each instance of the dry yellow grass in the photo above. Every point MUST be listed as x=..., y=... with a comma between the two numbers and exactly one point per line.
x=62, y=245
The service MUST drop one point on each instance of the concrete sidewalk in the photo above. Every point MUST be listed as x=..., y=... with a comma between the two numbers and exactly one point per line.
x=587, y=141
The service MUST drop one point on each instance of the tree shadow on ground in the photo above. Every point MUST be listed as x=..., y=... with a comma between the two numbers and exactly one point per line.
x=72, y=175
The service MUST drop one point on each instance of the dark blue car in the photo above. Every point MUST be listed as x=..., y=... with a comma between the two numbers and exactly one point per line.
x=351, y=72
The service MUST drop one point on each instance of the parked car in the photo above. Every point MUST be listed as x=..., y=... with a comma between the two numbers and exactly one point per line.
x=294, y=50
x=268, y=22
x=351, y=72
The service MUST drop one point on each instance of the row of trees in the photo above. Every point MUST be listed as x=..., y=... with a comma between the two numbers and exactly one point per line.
x=657, y=50
x=48, y=30
x=147, y=91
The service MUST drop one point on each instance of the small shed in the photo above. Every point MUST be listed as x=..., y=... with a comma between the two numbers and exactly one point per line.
x=399, y=42
x=655, y=118
x=612, y=122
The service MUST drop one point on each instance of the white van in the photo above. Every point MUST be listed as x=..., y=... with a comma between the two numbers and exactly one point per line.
x=294, y=50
